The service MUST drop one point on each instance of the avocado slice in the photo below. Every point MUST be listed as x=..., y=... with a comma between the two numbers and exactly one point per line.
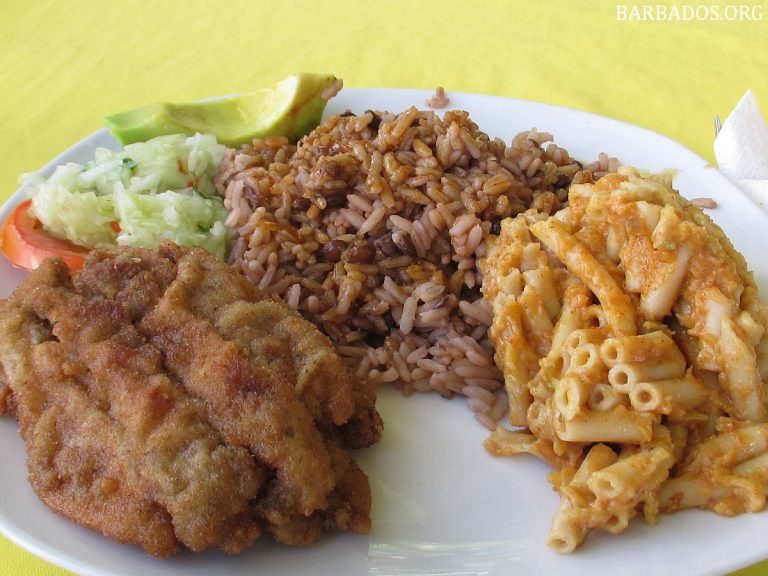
x=290, y=108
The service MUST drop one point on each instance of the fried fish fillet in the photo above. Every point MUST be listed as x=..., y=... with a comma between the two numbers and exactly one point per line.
x=164, y=402
x=265, y=380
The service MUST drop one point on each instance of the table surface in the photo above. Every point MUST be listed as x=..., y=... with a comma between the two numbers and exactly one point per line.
x=666, y=66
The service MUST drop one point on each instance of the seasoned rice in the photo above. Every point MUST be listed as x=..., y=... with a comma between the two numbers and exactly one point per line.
x=371, y=227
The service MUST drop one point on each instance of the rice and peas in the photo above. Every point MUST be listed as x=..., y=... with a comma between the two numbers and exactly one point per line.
x=372, y=226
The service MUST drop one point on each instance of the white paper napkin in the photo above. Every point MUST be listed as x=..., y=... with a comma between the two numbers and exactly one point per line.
x=741, y=149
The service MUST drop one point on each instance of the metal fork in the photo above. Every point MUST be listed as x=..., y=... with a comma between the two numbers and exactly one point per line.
x=718, y=125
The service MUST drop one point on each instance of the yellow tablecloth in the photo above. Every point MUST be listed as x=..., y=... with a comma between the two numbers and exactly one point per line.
x=66, y=64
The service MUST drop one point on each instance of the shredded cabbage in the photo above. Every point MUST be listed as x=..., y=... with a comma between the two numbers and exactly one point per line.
x=150, y=191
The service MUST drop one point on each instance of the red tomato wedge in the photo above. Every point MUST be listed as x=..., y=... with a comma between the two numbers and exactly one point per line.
x=24, y=242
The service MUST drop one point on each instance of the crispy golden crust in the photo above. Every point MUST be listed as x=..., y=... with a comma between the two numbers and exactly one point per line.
x=185, y=464
x=165, y=403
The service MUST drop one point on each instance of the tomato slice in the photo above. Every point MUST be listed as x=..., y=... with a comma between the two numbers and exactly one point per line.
x=24, y=242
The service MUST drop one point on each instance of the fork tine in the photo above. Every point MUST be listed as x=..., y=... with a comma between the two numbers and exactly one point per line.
x=718, y=125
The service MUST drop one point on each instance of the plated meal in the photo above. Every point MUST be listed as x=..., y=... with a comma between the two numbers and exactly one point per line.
x=571, y=303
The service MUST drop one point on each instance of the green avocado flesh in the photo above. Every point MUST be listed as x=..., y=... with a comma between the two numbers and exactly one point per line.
x=290, y=108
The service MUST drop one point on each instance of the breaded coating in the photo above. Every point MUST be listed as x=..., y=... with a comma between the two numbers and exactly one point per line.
x=254, y=400
x=245, y=401
x=276, y=337
x=280, y=339
x=80, y=468
x=135, y=278
x=77, y=461
x=348, y=507
x=364, y=427
x=202, y=482
x=166, y=403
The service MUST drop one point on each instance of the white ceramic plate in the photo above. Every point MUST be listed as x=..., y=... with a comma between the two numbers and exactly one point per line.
x=442, y=505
